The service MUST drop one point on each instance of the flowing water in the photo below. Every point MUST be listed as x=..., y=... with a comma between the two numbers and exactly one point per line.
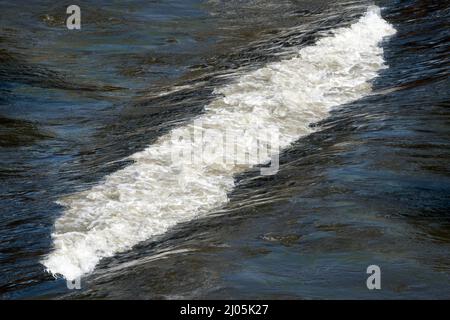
x=358, y=95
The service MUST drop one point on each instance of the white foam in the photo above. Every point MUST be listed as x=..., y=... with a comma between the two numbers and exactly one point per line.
x=154, y=193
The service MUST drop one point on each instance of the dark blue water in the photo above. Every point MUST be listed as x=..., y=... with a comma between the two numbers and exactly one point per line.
x=372, y=186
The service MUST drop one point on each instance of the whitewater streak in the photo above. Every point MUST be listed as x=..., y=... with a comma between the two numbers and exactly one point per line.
x=155, y=193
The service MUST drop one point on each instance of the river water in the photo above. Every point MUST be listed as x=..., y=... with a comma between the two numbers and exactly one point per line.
x=359, y=95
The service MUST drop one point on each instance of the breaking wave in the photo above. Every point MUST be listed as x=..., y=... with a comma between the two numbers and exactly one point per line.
x=155, y=193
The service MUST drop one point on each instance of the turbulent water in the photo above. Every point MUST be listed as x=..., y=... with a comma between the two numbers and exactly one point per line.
x=357, y=95
x=156, y=192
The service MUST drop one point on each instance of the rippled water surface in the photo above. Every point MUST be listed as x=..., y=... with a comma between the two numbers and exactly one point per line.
x=370, y=184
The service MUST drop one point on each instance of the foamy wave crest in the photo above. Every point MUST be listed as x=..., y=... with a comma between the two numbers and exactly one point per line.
x=155, y=193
